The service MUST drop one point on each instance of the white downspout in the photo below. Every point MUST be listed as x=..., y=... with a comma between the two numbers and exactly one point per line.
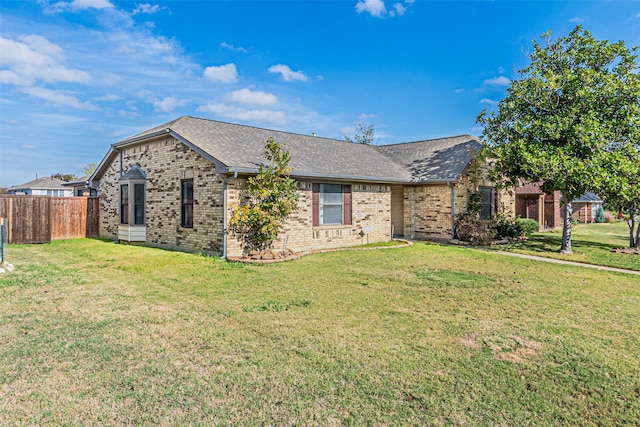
x=224, y=214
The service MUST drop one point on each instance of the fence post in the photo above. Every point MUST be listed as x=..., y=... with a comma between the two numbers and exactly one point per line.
x=3, y=237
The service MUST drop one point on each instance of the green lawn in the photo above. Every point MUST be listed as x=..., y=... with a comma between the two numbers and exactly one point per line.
x=95, y=333
x=591, y=243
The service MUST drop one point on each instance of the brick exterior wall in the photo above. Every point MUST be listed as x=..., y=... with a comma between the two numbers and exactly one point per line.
x=370, y=210
x=168, y=161
x=427, y=208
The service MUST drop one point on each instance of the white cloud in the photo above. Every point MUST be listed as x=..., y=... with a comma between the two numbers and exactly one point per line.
x=373, y=7
x=252, y=97
x=108, y=97
x=227, y=73
x=459, y=90
x=636, y=16
x=238, y=113
x=578, y=19
x=58, y=97
x=34, y=58
x=232, y=47
x=365, y=116
x=287, y=73
x=348, y=130
x=497, y=81
x=29, y=146
x=146, y=8
x=399, y=9
x=169, y=103
x=490, y=102
x=76, y=5
x=378, y=9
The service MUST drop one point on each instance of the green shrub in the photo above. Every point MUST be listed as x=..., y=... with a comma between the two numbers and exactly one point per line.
x=470, y=228
x=600, y=215
x=529, y=226
x=507, y=227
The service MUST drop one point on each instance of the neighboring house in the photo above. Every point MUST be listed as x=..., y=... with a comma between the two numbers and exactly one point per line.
x=585, y=208
x=173, y=186
x=45, y=186
x=80, y=187
x=547, y=209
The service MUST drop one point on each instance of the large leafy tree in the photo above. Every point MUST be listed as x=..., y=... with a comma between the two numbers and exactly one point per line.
x=564, y=119
x=270, y=197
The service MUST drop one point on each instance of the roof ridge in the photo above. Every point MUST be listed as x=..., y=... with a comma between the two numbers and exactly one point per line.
x=269, y=130
x=471, y=137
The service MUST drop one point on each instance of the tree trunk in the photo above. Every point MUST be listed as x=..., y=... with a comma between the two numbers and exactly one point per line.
x=566, y=228
x=633, y=239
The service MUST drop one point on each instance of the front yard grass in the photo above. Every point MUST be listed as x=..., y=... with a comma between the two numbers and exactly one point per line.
x=591, y=243
x=95, y=333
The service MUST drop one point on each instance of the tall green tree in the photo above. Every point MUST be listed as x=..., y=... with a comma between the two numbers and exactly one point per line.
x=270, y=197
x=562, y=118
x=364, y=134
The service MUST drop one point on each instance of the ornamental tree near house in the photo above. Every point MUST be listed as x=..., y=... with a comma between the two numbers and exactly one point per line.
x=561, y=119
x=270, y=197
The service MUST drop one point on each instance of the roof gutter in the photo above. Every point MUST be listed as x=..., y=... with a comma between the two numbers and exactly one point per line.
x=225, y=232
x=141, y=137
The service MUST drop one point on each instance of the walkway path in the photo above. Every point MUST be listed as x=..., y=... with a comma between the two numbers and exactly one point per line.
x=560, y=261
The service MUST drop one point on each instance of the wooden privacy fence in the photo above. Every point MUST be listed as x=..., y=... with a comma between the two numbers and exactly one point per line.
x=40, y=219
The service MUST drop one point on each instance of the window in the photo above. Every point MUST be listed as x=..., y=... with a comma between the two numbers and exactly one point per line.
x=138, y=204
x=487, y=204
x=331, y=204
x=124, y=204
x=187, y=203
x=132, y=197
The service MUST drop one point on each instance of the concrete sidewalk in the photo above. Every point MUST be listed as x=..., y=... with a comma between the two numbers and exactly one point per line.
x=560, y=261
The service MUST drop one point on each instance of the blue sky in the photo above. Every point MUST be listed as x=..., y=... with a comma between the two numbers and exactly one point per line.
x=79, y=75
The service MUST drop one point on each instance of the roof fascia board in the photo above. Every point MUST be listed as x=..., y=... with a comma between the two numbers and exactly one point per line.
x=352, y=178
x=98, y=172
x=436, y=181
x=326, y=177
x=140, y=138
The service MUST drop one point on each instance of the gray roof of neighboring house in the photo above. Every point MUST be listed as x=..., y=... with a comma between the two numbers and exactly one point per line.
x=44, y=183
x=588, y=197
x=440, y=159
x=234, y=147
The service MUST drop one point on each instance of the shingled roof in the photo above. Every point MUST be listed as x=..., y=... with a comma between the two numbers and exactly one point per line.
x=239, y=148
x=442, y=159
x=44, y=183
x=234, y=147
